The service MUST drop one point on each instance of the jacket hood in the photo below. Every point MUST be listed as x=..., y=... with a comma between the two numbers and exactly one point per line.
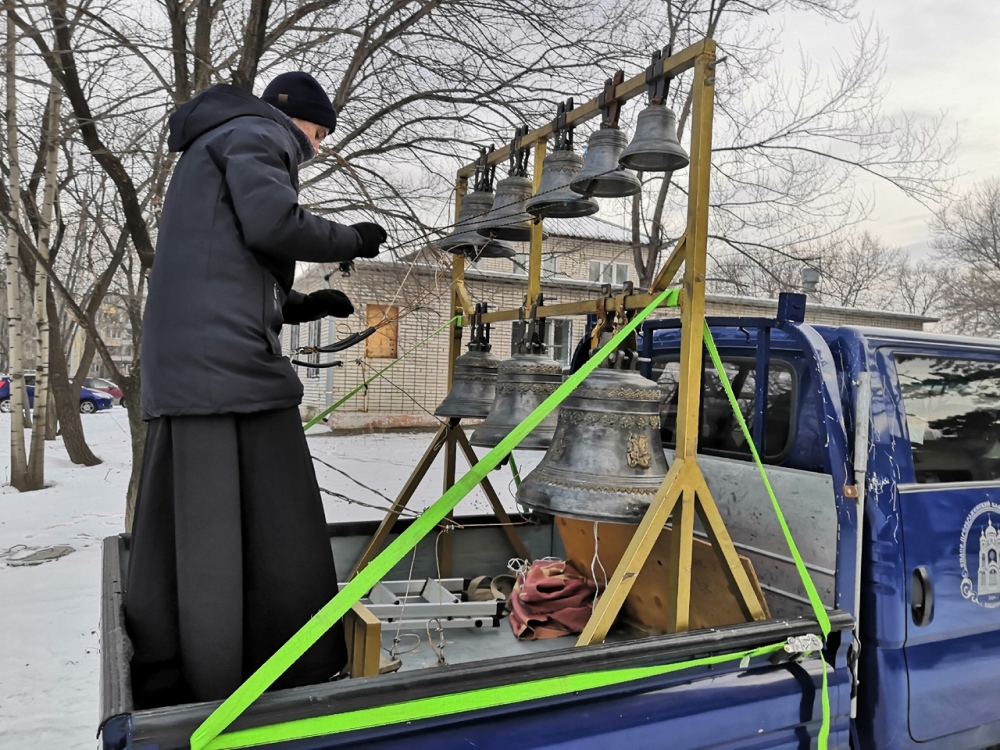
x=210, y=109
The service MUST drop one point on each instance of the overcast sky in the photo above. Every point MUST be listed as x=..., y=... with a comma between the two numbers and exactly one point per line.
x=941, y=57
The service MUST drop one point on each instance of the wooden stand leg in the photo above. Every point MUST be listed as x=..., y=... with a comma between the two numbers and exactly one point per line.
x=491, y=494
x=449, y=481
x=385, y=528
x=679, y=561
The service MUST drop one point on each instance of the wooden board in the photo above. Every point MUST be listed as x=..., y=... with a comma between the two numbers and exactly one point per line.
x=383, y=343
x=363, y=631
x=713, y=603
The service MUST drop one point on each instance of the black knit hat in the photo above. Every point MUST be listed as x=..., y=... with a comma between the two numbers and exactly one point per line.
x=299, y=95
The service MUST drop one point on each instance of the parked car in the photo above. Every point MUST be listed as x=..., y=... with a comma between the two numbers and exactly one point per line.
x=106, y=386
x=90, y=400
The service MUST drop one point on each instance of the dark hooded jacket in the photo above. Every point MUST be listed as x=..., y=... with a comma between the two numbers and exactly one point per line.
x=221, y=284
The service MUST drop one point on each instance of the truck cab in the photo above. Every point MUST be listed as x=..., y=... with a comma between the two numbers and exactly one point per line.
x=924, y=409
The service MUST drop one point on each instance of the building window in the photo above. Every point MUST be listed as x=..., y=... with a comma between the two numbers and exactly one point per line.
x=952, y=416
x=383, y=343
x=720, y=433
x=559, y=337
x=314, y=337
x=550, y=264
x=609, y=273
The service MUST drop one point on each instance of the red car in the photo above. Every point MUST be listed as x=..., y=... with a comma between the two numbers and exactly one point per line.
x=100, y=384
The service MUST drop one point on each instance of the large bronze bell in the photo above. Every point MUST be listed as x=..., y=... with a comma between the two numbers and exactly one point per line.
x=601, y=176
x=554, y=197
x=655, y=147
x=465, y=240
x=606, y=459
x=473, y=385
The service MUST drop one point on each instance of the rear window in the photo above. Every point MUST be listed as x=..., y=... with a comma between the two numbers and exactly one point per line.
x=952, y=416
x=720, y=432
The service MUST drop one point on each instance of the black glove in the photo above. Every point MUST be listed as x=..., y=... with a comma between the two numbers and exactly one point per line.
x=372, y=235
x=325, y=302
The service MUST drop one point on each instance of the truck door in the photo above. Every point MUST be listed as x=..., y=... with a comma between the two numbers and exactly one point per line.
x=949, y=495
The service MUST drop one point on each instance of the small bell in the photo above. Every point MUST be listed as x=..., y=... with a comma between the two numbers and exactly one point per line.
x=606, y=460
x=601, y=176
x=655, y=147
x=523, y=382
x=465, y=240
x=509, y=221
x=473, y=386
x=554, y=198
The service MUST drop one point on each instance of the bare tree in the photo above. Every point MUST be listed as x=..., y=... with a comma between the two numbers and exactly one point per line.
x=967, y=240
x=15, y=321
x=786, y=149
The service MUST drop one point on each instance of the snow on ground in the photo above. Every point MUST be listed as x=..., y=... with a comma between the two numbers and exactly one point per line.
x=49, y=614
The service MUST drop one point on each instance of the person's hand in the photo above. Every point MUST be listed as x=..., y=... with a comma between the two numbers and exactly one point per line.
x=372, y=235
x=326, y=302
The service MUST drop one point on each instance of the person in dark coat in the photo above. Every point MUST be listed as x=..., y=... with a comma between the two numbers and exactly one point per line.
x=229, y=554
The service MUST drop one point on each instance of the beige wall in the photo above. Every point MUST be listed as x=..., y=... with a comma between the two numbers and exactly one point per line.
x=411, y=390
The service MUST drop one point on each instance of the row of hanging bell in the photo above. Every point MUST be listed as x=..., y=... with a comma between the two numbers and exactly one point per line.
x=476, y=209
x=606, y=461
x=473, y=386
x=523, y=382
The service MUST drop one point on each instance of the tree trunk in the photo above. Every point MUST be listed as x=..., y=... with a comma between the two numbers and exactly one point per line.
x=131, y=387
x=18, y=394
x=36, y=460
x=67, y=400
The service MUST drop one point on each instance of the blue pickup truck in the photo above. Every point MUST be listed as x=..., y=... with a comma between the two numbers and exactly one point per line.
x=883, y=448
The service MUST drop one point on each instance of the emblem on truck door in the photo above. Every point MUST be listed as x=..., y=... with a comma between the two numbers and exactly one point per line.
x=981, y=560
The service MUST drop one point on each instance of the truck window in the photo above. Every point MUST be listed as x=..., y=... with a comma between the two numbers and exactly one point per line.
x=952, y=416
x=720, y=432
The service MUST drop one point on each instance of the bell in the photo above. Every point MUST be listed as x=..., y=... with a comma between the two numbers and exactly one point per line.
x=473, y=386
x=509, y=221
x=465, y=240
x=606, y=459
x=523, y=382
x=655, y=147
x=554, y=198
x=601, y=176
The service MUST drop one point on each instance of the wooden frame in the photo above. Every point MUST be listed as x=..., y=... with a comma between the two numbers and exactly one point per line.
x=684, y=491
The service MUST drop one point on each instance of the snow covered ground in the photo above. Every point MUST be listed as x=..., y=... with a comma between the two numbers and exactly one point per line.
x=49, y=614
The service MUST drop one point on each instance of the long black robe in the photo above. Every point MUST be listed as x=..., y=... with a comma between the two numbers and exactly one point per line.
x=229, y=557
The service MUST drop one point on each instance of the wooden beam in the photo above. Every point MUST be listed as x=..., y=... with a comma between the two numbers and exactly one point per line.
x=671, y=267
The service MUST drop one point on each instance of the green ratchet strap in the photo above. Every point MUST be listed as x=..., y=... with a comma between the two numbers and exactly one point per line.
x=471, y=700
x=817, y=604
x=308, y=634
x=320, y=417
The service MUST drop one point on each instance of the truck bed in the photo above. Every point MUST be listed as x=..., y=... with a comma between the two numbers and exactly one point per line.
x=477, y=658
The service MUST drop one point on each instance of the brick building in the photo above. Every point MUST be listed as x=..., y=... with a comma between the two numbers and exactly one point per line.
x=578, y=256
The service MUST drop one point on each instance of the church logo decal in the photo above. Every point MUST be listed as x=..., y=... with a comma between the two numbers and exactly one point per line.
x=979, y=555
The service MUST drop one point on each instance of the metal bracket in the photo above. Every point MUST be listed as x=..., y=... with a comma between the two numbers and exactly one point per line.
x=626, y=357
x=480, y=331
x=518, y=159
x=610, y=107
x=532, y=329
x=658, y=84
x=561, y=131
x=485, y=172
